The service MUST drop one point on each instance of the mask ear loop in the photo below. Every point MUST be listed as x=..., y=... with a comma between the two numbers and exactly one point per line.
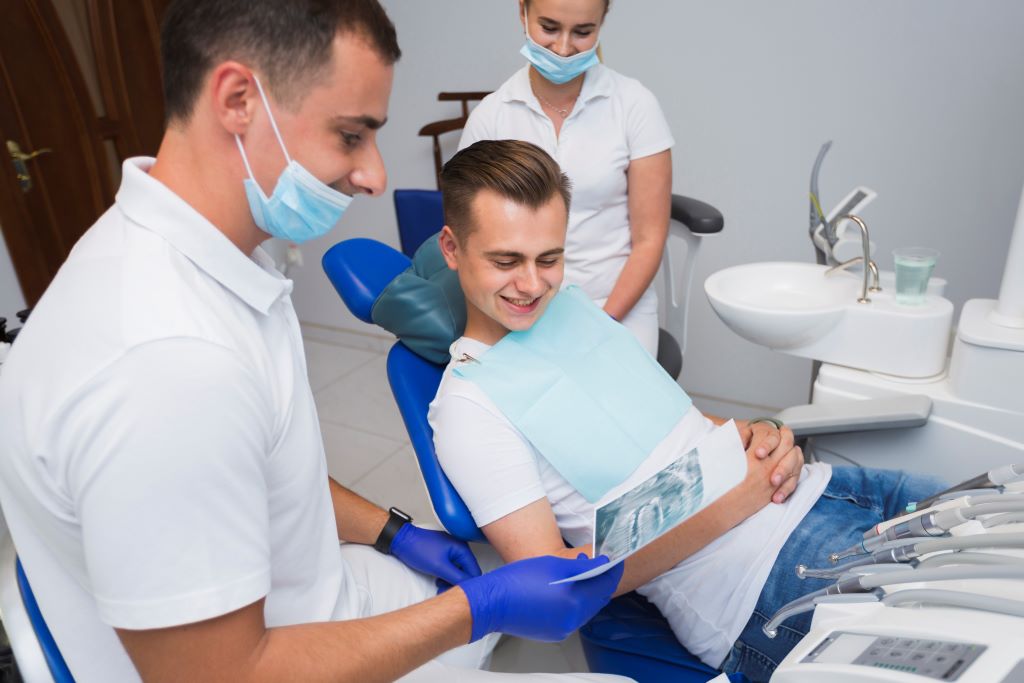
x=270, y=115
x=273, y=125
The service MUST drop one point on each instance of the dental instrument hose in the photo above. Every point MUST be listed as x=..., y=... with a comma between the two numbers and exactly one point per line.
x=870, y=582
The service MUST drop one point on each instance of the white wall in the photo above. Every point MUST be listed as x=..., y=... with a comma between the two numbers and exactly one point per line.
x=11, y=299
x=923, y=99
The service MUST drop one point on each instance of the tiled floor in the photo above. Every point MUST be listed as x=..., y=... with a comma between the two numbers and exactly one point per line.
x=368, y=451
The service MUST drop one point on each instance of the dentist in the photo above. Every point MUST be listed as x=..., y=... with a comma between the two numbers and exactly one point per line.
x=162, y=469
x=609, y=136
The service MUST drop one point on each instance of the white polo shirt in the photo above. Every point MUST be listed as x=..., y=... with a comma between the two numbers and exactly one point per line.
x=615, y=120
x=162, y=460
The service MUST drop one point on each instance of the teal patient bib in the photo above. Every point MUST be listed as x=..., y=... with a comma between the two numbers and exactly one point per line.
x=583, y=391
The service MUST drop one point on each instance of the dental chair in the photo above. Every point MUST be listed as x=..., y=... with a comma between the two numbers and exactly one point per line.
x=35, y=651
x=629, y=636
x=420, y=215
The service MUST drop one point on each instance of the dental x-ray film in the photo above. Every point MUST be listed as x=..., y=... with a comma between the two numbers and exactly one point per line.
x=628, y=520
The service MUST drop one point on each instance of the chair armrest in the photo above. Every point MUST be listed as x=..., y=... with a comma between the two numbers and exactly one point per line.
x=701, y=218
x=857, y=415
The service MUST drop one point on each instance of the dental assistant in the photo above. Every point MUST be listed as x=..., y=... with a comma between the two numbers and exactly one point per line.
x=162, y=470
x=610, y=137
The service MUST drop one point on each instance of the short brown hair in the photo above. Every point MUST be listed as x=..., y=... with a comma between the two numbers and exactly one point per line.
x=291, y=42
x=516, y=170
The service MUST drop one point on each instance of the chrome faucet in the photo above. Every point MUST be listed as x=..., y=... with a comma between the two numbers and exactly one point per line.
x=866, y=258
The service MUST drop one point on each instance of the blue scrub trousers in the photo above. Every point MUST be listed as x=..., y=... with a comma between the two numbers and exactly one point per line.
x=854, y=500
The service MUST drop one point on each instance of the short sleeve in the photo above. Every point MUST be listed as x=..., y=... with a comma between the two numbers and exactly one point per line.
x=490, y=464
x=647, y=131
x=168, y=483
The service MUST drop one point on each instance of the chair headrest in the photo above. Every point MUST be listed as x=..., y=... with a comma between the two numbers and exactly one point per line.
x=424, y=306
x=419, y=301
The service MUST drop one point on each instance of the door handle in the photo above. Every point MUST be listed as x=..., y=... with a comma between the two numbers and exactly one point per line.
x=18, y=158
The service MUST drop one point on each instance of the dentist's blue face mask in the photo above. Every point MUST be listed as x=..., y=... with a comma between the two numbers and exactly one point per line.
x=555, y=67
x=302, y=207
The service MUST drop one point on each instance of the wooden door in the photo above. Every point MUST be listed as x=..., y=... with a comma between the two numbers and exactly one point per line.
x=48, y=201
x=55, y=180
x=125, y=36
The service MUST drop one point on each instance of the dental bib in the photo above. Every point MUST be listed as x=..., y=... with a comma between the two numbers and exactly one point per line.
x=583, y=391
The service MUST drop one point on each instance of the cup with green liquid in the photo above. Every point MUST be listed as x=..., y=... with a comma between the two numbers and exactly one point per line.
x=913, y=269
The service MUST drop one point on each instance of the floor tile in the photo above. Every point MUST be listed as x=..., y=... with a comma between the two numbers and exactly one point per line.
x=329, y=362
x=352, y=454
x=362, y=399
x=397, y=482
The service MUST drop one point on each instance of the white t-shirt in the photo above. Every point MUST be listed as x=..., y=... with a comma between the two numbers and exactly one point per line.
x=162, y=455
x=615, y=120
x=707, y=598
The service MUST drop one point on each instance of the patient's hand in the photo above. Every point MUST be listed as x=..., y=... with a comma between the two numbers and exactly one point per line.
x=773, y=461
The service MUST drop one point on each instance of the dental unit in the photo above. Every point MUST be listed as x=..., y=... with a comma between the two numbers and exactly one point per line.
x=936, y=593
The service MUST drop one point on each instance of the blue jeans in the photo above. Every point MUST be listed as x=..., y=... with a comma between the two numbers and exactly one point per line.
x=854, y=500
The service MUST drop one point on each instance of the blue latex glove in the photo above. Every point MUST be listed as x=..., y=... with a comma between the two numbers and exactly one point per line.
x=435, y=553
x=518, y=599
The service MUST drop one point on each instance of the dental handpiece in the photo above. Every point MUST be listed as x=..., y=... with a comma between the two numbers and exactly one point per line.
x=932, y=524
x=913, y=550
x=872, y=583
x=1000, y=476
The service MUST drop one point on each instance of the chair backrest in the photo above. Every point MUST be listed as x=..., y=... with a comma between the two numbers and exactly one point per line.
x=414, y=383
x=420, y=215
x=360, y=269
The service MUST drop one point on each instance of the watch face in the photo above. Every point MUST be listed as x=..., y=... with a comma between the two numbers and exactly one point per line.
x=399, y=513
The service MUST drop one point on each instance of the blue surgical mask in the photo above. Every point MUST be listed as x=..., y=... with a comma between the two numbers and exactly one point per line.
x=554, y=67
x=302, y=207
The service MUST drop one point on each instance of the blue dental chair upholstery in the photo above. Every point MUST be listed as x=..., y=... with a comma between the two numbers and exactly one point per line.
x=629, y=636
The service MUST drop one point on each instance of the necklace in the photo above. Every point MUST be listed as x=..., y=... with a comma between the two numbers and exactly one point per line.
x=564, y=113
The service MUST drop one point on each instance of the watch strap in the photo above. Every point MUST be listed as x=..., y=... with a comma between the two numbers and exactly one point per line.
x=396, y=520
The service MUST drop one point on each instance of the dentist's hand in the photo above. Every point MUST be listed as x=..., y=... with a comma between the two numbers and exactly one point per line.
x=435, y=553
x=518, y=599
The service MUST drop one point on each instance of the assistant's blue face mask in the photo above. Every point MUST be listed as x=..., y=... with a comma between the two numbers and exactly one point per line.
x=302, y=207
x=555, y=67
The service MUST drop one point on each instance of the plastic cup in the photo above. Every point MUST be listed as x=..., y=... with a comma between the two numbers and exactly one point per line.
x=913, y=269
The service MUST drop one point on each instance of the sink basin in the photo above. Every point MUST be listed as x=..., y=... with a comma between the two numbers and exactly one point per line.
x=795, y=308
x=781, y=305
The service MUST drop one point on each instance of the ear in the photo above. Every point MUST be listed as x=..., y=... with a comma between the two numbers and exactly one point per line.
x=234, y=96
x=522, y=15
x=449, y=247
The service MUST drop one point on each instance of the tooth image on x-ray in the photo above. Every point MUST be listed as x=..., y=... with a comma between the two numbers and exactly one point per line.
x=658, y=504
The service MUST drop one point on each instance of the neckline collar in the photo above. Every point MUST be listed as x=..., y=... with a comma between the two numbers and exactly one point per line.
x=596, y=83
x=153, y=206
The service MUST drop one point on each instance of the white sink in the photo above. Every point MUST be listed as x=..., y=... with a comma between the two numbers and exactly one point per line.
x=797, y=309
x=781, y=305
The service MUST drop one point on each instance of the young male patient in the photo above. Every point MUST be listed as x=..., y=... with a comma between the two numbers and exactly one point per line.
x=719, y=576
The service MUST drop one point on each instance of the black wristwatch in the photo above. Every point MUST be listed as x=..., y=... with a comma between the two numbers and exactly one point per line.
x=396, y=520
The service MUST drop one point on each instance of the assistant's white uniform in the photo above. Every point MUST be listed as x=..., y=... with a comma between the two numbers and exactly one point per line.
x=162, y=460
x=707, y=598
x=615, y=120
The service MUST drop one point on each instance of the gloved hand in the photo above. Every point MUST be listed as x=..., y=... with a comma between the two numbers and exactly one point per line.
x=518, y=599
x=435, y=553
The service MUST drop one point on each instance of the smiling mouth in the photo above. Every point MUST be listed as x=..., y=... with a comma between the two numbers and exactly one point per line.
x=522, y=305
